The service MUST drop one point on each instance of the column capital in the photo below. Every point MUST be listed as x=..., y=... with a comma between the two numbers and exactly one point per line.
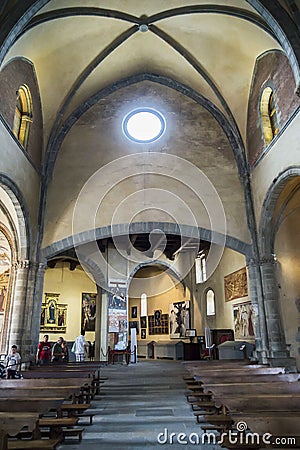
x=27, y=264
x=268, y=259
x=24, y=264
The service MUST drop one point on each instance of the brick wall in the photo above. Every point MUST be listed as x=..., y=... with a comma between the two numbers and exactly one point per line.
x=273, y=69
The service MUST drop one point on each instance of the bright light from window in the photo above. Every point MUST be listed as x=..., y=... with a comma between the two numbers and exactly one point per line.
x=144, y=125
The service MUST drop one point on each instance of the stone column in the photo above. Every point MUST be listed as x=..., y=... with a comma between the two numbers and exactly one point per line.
x=276, y=337
x=35, y=286
x=19, y=299
x=98, y=324
x=103, y=341
x=256, y=295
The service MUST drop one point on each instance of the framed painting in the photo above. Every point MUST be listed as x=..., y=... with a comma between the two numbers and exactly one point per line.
x=235, y=285
x=244, y=317
x=88, y=311
x=180, y=319
x=53, y=314
x=143, y=321
x=134, y=312
x=134, y=324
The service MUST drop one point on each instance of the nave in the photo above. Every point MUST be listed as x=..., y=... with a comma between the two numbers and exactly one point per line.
x=136, y=404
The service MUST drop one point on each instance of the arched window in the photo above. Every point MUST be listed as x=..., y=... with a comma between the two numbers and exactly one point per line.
x=268, y=115
x=143, y=305
x=23, y=115
x=200, y=266
x=210, y=303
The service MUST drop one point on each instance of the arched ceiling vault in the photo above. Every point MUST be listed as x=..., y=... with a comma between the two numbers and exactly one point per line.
x=87, y=50
x=209, y=47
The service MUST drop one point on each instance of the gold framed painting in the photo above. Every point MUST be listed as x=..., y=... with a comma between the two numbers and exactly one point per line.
x=235, y=285
x=53, y=314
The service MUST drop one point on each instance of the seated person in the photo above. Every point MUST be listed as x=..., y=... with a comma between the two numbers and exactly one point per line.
x=12, y=361
x=57, y=351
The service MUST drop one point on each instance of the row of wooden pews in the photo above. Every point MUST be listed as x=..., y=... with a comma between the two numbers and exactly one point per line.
x=42, y=409
x=245, y=399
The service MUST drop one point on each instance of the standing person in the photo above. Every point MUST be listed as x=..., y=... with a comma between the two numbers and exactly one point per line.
x=43, y=354
x=57, y=351
x=80, y=346
x=12, y=360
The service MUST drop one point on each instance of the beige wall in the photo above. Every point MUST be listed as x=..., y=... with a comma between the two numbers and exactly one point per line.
x=16, y=166
x=168, y=291
x=287, y=250
x=70, y=285
x=230, y=262
x=121, y=190
x=283, y=154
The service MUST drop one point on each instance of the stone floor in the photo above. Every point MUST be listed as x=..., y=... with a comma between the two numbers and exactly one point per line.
x=137, y=404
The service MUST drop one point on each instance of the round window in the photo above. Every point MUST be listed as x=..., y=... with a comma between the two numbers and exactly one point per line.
x=144, y=125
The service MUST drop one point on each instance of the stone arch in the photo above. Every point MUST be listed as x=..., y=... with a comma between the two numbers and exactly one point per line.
x=22, y=213
x=146, y=227
x=157, y=263
x=5, y=324
x=19, y=241
x=266, y=229
x=276, y=330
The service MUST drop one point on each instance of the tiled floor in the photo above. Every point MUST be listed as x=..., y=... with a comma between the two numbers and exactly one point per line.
x=137, y=404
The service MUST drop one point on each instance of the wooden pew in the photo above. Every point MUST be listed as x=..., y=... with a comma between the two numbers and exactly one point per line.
x=282, y=423
x=49, y=391
x=65, y=382
x=36, y=404
x=277, y=387
x=220, y=373
x=12, y=422
x=45, y=374
x=259, y=402
x=210, y=380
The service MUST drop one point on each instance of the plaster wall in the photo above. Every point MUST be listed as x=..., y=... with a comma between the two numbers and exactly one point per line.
x=167, y=293
x=284, y=153
x=149, y=182
x=70, y=285
x=287, y=251
x=230, y=262
x=16, y=166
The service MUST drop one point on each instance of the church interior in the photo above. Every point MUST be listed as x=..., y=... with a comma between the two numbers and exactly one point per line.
x=149, y=179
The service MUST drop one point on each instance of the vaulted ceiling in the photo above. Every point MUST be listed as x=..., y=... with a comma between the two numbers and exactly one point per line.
x=79, y=48
x=201, y=53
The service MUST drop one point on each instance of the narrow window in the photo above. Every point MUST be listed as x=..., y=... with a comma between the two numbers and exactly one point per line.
x=143, y=305
x=23, y=115
x=210, y=303
x=268, y=115
x=200, y=266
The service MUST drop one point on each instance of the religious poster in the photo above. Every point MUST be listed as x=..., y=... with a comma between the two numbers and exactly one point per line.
x=53, y=314
x=180, y=319
x=88, y=314
x=244, y=318
x=235, y=285
x=117, y=306
x=5, y=265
